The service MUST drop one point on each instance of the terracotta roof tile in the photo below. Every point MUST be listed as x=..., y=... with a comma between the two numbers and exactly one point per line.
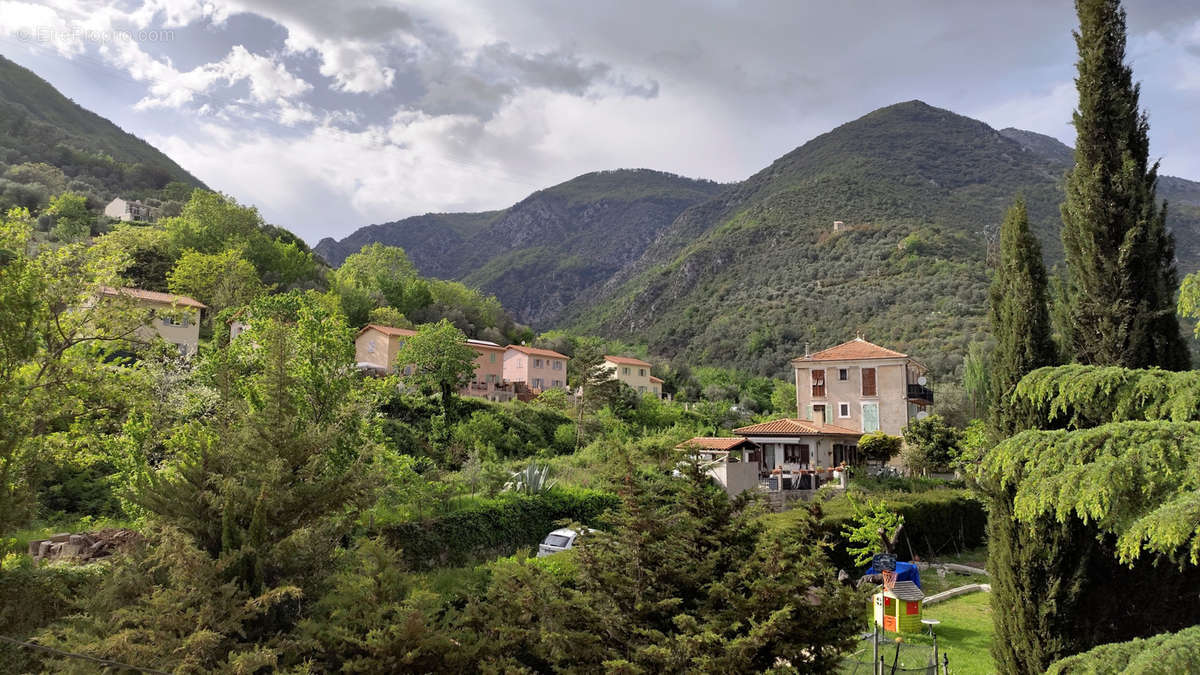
x=857, y=348
x=534, y=351
x=710, y=443
x=656, y=380
x=154, y=296
x=388, y=330
x=790, y=427
x=627, y=361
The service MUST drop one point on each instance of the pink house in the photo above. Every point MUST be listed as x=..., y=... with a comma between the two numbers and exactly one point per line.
x=489, y=372
x=539, y=369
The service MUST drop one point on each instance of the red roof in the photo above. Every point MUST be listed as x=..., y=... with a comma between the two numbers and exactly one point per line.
x=627, y=361
x=388, y=330
x=789, y=427
x=534, y=351
x=154, y=296
x=656, y=380
x=711, y=443
x=855, y=349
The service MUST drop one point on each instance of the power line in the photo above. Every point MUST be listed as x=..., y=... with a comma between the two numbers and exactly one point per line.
x=85, y=657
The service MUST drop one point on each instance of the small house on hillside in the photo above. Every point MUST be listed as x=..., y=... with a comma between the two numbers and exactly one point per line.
x=732, y=462
x=861, y=386
x=174, y=318
x=121, y=209
x=376, y=347
x=635, y=373
x=538, y=369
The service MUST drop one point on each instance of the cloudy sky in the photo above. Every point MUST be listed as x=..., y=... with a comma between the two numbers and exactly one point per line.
x=332, y=115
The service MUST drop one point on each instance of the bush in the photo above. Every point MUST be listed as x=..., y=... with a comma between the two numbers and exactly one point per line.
x=33, y=598
x=1164, y=654
x=494, y=526
x=937, y=522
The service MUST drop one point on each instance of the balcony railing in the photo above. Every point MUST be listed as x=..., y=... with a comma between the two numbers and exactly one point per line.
x=918, y=392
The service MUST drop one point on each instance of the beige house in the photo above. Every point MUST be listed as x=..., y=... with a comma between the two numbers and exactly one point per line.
x=797, y=449
x=174, y=318
x=732, y=462
x=538, y=369
x=635, y=373
x=489, y=372
x=861, y=386
x=376, y=346
x=130, y=210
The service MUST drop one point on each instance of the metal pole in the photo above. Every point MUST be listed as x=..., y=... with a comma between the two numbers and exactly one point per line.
x=875, y=646
x=945, y=665
x=935, y=649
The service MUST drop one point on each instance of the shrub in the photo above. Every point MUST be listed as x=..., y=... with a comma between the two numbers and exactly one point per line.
x=33, y=598
x=1163, y=654
x=500, y=525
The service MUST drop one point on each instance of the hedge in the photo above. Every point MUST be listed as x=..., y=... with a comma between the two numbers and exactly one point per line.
x=33, y=597
x=495, y=527
x=936, y=522
x=1164, y=654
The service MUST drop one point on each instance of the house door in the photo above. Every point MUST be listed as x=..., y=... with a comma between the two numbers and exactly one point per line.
x=768, y=457
x=870, y=417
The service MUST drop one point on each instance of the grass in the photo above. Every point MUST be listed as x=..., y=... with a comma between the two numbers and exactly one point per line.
x=965, y=634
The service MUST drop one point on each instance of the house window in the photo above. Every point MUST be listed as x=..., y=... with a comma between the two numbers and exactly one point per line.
x=843, y=374
x=558, y=365
x=641, y=372
x=843, y=410
x=371, y=347
x=818, y=384
x=641, y=390
x=537, y=382
x=870, y=417
x=537, y=363
x=557, y=383
x=624, y=371
x=818, y=412
x=868, y=381
x=845, y=454
x=795, y=454
x=493, y=357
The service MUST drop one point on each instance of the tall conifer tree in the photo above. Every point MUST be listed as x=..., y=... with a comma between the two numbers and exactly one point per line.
x=1019, y=313
x=1120, y=257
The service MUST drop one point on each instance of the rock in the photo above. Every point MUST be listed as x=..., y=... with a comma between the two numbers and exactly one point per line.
x=35, y=548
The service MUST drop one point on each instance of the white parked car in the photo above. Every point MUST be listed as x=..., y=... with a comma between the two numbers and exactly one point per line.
x=559, y=540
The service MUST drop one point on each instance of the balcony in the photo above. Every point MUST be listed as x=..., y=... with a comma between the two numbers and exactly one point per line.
x=918, y=393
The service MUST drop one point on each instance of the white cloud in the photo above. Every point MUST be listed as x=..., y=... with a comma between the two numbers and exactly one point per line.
x=1047, y=111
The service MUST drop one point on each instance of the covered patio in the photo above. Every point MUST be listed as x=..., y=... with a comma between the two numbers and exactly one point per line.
x=801, y=454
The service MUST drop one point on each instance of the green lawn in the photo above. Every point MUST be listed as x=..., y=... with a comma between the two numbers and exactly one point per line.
x=965, y=633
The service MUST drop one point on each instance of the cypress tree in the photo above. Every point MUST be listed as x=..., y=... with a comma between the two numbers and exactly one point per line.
x=1019, y=314
x=1120, y=257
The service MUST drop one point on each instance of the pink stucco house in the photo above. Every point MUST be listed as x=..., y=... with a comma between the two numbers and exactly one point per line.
x=539, y=369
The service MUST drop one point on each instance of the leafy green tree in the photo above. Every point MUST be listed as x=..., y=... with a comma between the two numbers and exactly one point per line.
x=72, y=219
x=879, y=447
x=1018, y=312
x=440, y=360
x=51, y=329
x=930, y=444
x=1120, y=257
x=219, y=280
x=148, y=250
x=874, y=524
x=783, y=397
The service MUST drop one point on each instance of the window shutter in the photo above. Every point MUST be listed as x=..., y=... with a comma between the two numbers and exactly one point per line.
x=829, y=414
x=868, y=381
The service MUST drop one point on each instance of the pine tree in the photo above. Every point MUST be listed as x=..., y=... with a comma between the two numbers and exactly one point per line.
x=1120, y=256
x=1019, y=314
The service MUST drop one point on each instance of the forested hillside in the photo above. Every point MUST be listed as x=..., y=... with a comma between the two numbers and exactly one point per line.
x=753, y=275
x=49, y=144
x=540, y=254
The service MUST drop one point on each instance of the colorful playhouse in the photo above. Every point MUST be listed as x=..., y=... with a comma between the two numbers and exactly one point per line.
x=898, y=609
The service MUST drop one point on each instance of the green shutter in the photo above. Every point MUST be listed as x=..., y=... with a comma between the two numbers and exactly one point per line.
x=870, y=417
x=828, y=414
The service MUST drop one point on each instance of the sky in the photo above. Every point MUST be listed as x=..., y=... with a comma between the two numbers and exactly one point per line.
x=329, y=116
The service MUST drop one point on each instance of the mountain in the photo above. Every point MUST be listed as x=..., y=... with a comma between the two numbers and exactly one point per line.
x=93, y=156
x=751, y=276
x=541, y=254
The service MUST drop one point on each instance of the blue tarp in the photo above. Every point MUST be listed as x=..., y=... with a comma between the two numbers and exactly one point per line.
x=904, y=572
